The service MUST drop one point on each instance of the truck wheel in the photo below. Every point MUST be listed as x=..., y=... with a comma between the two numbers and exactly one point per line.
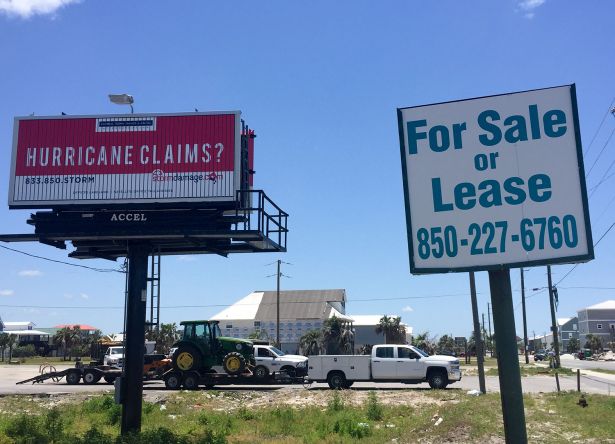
x=191, y=381
x=173, y=381
x=290, y=371
x=437, y=379
x=260, y=372
x=91, y=377
x=73, y=377
x=234, y=363
x=186, y=358
x=109, y=379
x=336, y=380
x=348, y=384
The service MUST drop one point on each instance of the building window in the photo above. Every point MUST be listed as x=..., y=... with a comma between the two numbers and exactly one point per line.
x=574, y=327
x=599, y=326
x=229, y=326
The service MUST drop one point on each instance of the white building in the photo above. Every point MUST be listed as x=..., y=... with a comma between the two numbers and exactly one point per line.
x=300, y=312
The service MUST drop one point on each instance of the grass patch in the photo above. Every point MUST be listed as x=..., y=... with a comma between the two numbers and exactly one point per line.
x=197, y=417
x=530, y=370
x=602, y=370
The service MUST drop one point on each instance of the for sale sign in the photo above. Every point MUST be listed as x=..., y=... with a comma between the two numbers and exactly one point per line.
x=145, y=158
x=495, y=182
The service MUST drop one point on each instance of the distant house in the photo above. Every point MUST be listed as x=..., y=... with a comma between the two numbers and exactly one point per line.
x=568, y=328
x=28, y=335
x=598, y=320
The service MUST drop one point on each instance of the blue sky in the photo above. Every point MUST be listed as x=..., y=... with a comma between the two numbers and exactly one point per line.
x=320, y=84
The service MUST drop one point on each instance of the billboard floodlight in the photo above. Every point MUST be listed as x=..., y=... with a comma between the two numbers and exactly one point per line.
x=122, y=99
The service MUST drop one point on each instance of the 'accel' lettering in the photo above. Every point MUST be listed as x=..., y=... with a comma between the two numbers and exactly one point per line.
x=128, y=217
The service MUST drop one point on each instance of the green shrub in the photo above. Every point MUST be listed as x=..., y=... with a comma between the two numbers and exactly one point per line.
x=26, y=351
x=350, y=426
x=336, y=403
x=94, y=436
x=373, y=407
x=54, y=426
x=26, y=430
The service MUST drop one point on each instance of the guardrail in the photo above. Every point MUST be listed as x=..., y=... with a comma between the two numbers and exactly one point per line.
x=258, y=212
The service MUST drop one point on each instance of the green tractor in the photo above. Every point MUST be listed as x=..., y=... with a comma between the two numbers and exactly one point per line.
x=202, y=347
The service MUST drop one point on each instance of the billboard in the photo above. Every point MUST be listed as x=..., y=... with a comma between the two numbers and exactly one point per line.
x=495, y=182
x=125, y=159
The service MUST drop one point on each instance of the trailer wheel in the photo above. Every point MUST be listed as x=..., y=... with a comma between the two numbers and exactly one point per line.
x=73, y=377
x=260, y=372
x=234, y=363
x=191, y=381
x=91, y=377
x=336, y=380
x=109, y=379
x=437, y=379
x=173, y=381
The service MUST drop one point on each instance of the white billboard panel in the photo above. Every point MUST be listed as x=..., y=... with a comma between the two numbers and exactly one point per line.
x=495, y=181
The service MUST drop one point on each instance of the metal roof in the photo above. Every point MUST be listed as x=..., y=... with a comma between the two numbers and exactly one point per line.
x=606, y=305
x=299, y=304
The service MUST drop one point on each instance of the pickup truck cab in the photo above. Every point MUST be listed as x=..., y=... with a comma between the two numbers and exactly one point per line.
x=114, y=357
x=387, y=363
x=270, y=359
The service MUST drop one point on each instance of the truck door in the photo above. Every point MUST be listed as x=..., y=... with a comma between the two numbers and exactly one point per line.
x=408, y=364
x=266, y=358
x=384, y=363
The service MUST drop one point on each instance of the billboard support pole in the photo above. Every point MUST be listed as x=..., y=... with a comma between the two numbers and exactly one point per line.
x=508, y=357
x=527, y=360
x=134, y=330
x=478, y=342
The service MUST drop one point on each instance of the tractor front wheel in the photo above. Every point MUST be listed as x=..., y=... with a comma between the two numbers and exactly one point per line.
x=186, y=358
x=234, y=363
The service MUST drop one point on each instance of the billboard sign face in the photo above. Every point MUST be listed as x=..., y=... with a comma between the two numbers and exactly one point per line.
x=125, y=159
x=495, y=182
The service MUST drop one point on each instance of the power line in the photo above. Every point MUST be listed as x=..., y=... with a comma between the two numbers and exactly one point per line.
x=609, y=110
x=600, y=153
x=99, y=270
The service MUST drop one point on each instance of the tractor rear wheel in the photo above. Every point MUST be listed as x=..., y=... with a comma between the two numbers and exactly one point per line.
x=186, y=358
x=234, y=363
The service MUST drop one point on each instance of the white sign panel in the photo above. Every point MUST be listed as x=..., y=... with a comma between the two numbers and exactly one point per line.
x=495, y=181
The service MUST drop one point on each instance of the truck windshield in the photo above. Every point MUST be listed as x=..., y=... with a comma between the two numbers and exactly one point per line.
x=277, y=351
x=421, y=352
x=117, y=351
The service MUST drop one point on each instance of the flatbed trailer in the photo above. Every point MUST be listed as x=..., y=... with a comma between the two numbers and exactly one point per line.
x=88, y=374
x=154, y=366
x=192, y=380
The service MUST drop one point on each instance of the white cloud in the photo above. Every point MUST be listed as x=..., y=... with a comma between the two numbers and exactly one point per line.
x=528, y=6
x=29, y=273
x=84, y=296
x=7, y=292
x=407, y=308
x=28, y=8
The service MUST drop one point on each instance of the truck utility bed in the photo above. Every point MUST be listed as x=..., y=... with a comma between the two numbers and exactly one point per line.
x=355, y=367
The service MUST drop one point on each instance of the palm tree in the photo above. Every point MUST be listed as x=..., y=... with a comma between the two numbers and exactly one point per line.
x=4, y=342
x=593, y=343
x=311, y=343
x=423, y=342
x=394, y=332
x=65, y=337
x=11, y=343
x=337, y=336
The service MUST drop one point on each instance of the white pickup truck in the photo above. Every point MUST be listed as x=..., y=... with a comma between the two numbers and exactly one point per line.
x=269, y=360
x=387, y=363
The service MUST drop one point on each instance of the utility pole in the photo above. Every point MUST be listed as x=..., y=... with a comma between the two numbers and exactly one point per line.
x=490, y=337
x=527, y=360
x=553, y=320
x=484, y=331
x=277, y=324
x=478, y=343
